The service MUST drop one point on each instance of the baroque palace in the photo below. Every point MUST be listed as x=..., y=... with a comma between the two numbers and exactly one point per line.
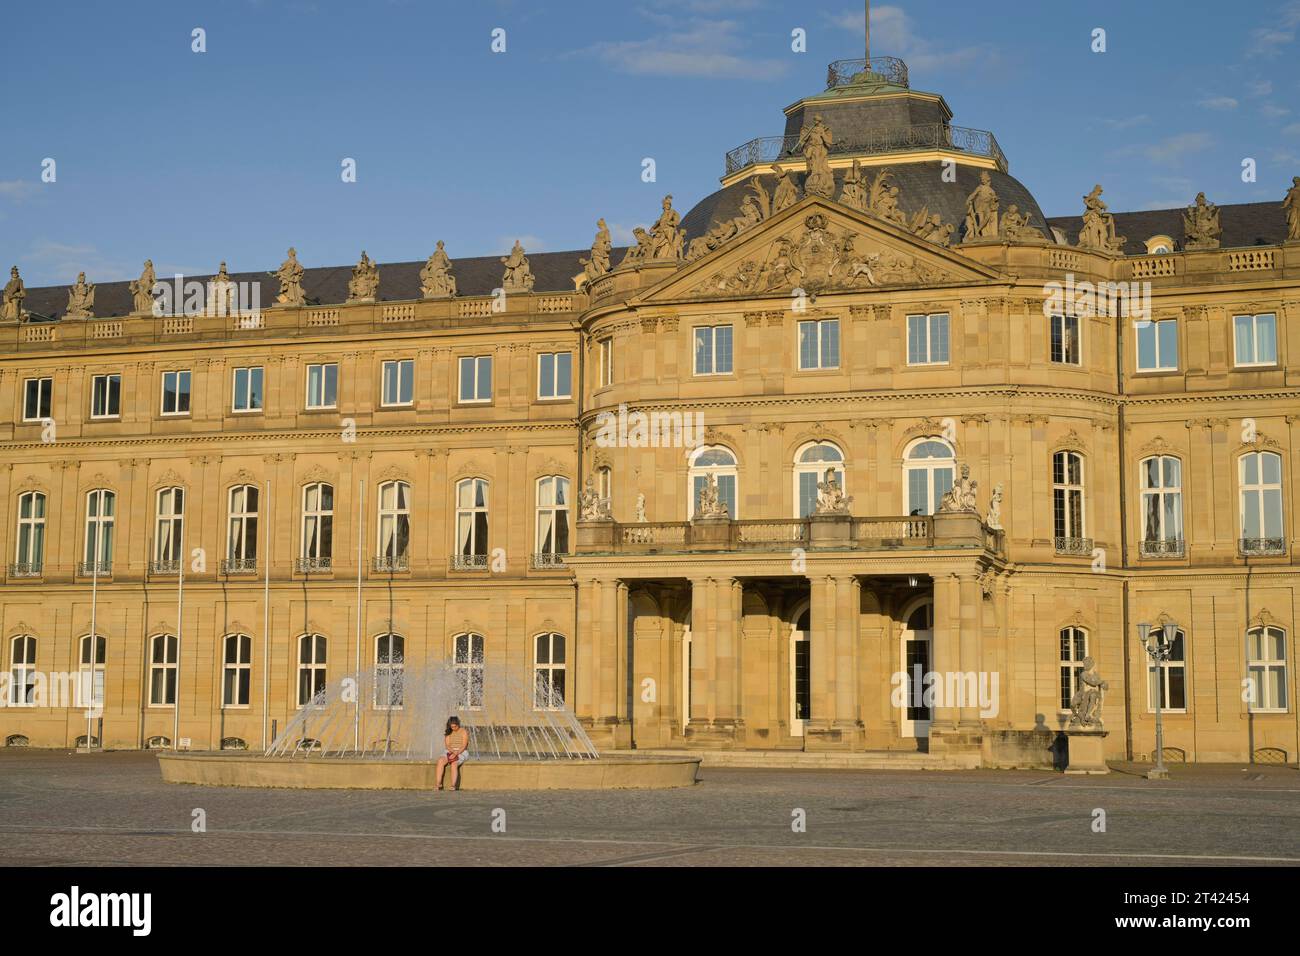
x=862, y=453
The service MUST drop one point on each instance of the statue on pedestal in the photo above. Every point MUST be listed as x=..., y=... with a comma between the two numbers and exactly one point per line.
x=815, y=144
x=290, y=276
x=598, y=264
x=142, y=290
x=710, y=503
x=436, y=279
x=831, y=499
x=1098, y=230
x=364, y=284
x=982, y=211
x=518, y=276
x=1201, y=228
x=667, y=240
x=11, y=306
x=221, y=293
x=961, y=496
x=81, y=299
x=1291, y=206
x=592, y=507
x=1085, y=705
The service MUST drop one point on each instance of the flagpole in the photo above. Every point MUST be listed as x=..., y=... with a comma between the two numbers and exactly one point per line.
x=866, y=16
x=361, y=546
x=94, y=644
x=266, y=621
x=180, y=609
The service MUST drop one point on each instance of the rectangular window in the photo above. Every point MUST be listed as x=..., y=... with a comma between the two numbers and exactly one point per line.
x=1157, y=345
x=927, y=339
x=236, y=679
x=1255, y=339
x=475, y=378
x=38, y=394
x=606, y=364
x=713, y=350
x=399, y=382
x=176, y=393
x=248, y=390
x=819, y=344
x=323, y=386
x=106, y=396
x=1171, y=684
x=1065, y=340
x=1074, y=648
x=555, y=375
x=1266, y=648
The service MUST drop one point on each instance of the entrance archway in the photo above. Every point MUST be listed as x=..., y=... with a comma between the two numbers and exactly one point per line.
x=800, y=653
x=915, y=645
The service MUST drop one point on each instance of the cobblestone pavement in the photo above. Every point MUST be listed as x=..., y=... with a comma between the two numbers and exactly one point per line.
x=58, y=808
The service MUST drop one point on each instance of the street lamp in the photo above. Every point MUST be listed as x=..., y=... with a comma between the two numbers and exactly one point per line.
x=1159, y=644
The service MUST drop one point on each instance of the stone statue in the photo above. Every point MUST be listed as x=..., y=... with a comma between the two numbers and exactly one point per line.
x=936, y=230
x=882, y=200
x=142, y=290
x=1085, y=705
x=786, y=193
x=436, y=279
x=640, y=508
x=221, y=293
x=640, y=251
x=961, y=496
x=831, y=499
x=290, y=276
x=1291, y=205
x=853, y=192
x=1015, y=225
x=995, y=509
x=815, y=144
x=1098, y=230
x=750, y=215
x=598, y=264
x=762, y=201
x=364, y=284
x=518, y=276
x=81, y=299
x=982, y=211
x=592, y=507
x=11, y=306
x=667, y=240
x=1201, y=229
x=710, y=503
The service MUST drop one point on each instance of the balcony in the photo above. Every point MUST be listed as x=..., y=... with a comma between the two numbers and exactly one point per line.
x=313, y=565
x=26, y=569
x=239, y=566
x=90, y=569
x=469, y=562
x=1162, y=548
x=549, y=561
x=1262, y=547
x=878, y=69
x=390, y=563
x=1078, y=547
x=165, y=566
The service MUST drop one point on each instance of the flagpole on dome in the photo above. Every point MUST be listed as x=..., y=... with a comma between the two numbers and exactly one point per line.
x=866, y=21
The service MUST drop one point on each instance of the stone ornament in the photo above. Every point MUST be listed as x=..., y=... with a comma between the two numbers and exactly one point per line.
x=961, y=496
x=364, y=284
x=518, y=276
x=598, y=264
x=11, y=305
x=710, y=503
x=751, y=214
x=1085, y=705
x=640, y=508
x=81, y=299
x=666, y=239
x=1015, y=226
x=882, y=200
x=290, y=276
x=853, y=192
x=1201, y=228
x=1291, y=206
x=994, y=520
x=436, y=279
x=1098, y=230
x=142, y=290
x=831, y=499
x=815, y=145
x=982, y=211
x=592, y=507
x=221, y=293
x=786, y=193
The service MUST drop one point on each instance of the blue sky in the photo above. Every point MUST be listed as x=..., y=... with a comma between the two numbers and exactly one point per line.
x=235, y=153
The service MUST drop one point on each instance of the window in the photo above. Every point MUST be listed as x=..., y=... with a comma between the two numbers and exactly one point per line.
x=928, y=470
x=548, y=672
x=323, y=386
x=394, y=526
x=176, y=392
x=1067, y=501
x=106, y=396
x=22, y=671
x=1074, y=648
x=317, y=525
x=162, y=670
x=713, y=350
x=1065, y=340
x=31, y=533
x=555, y=375
x=169, y=529
x=399, y=382
x=721, y=464
x=390, y=668
x=241, y=538
x=1170, y=686
x=468, y=663
x=38, y=394
x=312, y=654
x=605, y=483
x=92, y=670
x=605, y=366
x=819, y=344
x=1162, y=505
x=475, y=378
x=927, y=339
x=1255, y=339
x=1261, y=503
x=552, y=516
x=810, y=466
x=471, y=523
x=248, y=390
x=1157, y=345
x=237, y=671
x=100, y=507
x=1266, y=650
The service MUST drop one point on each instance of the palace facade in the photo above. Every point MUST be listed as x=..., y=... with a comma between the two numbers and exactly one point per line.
x=854, y=426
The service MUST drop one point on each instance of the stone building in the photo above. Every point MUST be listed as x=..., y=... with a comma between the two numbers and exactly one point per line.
x=861, y=419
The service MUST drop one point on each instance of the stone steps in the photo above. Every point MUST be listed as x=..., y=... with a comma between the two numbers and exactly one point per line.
x=801, y=760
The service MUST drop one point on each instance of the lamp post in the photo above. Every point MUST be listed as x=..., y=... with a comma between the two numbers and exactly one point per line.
x=1158, y=643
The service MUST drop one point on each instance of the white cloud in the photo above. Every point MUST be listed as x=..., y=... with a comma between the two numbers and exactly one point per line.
x=17, y=189
x=1273, y=111
x=893, y=34
x=1127, y=122
x=1170, y=149
x=1219, y=103
x=1260, y=88
x=694, y=46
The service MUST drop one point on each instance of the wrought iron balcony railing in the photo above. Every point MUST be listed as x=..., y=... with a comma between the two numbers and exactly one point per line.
x=310, y=565
x=239, y=566
x=1163, y=548
x=878, y=69
x=388, y=563
x=1255, y=547
x=469, y=562
x=89, y=569
x=165, y=566
x=1076, y=546
x=880, y=139
x=26, y=569
x=547, y=561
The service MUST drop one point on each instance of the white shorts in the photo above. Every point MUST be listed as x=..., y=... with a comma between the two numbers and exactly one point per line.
x=459, y=760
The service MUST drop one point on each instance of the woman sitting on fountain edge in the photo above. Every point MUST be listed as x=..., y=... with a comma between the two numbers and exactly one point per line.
x=456, y=740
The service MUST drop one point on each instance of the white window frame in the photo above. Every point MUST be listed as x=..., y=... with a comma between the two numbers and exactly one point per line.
x=468, y=514
x=1260, y=489
x=1254, y=340
x=926, y=322
x=237, y=673
x=552, y=498
x=323, y=382
x=544, y=671
x=932, y=467
x=44, y=384
x=321, y=516
x=169, y=524
x=93, y=675
x=1065, y=320
x=101, y=538
x=719, y=472
x=554, y=378
x=249, y=407
x=1161, y=491
x=818, y=327
x=394, y=506
x=469, y=667
x=1166, y=667
x=404, y=370
x=240, y=515
x=712, y=333
x=1257, y=665
x=1071, y=661
x=165, y=669
x=22, y=671
x=107, y=378
x=176, y=375
x=316, y=667
x=33, y=528
x=1067, y=489
x=474, y=364
x=1154, y=325
x=390, y=671
x=605, y=362
x=817, y=470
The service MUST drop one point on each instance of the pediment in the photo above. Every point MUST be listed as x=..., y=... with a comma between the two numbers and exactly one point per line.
x=819, y=246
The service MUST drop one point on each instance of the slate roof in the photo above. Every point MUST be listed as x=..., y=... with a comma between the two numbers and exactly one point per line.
x=1244, y=224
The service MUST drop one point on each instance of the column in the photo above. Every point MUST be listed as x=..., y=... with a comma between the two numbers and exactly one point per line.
x=821, y=650
x=847, y=604
x=945, y=648
x=703, y=701
x=970, y=639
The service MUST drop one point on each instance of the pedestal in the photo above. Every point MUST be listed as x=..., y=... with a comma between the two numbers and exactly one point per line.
x=1087, y=753
x=830, y=530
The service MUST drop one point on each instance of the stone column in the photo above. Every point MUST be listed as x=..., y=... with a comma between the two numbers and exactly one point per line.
x=702, y=652
x=945, y=654
x=971, y=640
x=847, y=604
x=822, y=652
x=588, y=619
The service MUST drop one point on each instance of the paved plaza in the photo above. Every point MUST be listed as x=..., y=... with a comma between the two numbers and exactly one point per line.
x=63, y=809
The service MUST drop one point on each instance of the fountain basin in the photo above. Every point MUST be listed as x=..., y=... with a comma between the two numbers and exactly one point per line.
x=345, y=773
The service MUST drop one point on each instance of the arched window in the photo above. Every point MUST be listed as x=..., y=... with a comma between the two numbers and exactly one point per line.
x=394, y=526
x=1261, y=503
x=552, y=521
x=31, y=535
x=22, y=671
x=928, y=469
x=312, y=654
x=810, y=466
x=1067, y=503
x=317, y=527
x=719, y=462
x=168, y=531
x=1171, y=684
x=468, y=661
x=241, y=536
x=605, y=483
x=471, y=523
x=101, y=505
x=1266, y=650
x=162, y=670
x=390, y=668
x=237, y=670
x=548, y=672
x=1162, y=505
x=93, y=654
x=1074, y=648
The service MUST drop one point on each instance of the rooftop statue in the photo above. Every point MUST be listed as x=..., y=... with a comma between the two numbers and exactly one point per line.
x=518, y=276
x=1291, y=204
x=667, y=239
x=933, y=229
x=853, y=192
x=882, y=200
x=598, y=264
x=81, y=299
x=364, y=284
x=1016, y=227
x=436, y=279
x=11, y=306
x=221, y=293
x=1201, y=229
x=961, y=496
x=1098, y=230
x=982, y=211
x=815, y=144
x=290, y=276
x=642, y=248
x=142, y=290
x=786, y=193
x=1085, y=705
x=750, y=215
